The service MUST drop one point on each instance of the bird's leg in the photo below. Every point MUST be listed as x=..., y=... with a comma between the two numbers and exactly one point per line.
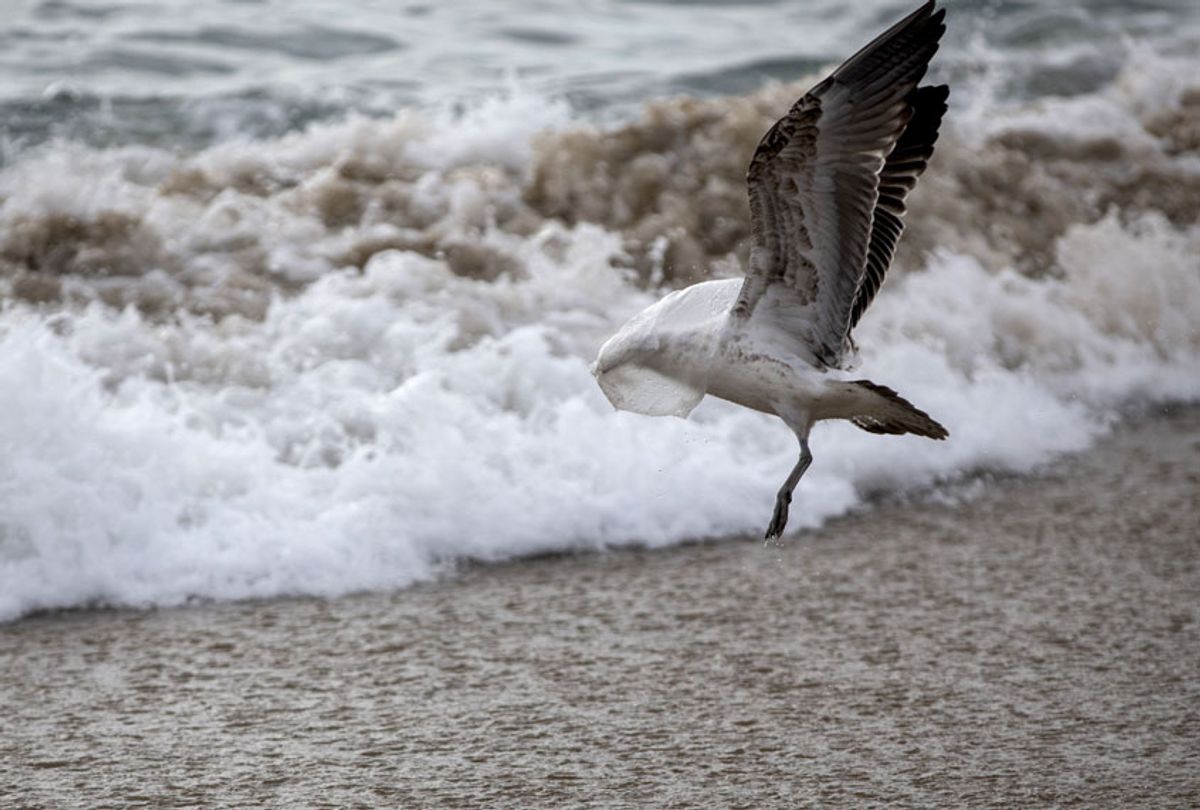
x=784, y=499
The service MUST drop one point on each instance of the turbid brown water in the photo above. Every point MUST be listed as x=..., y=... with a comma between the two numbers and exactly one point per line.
x=1034, y=645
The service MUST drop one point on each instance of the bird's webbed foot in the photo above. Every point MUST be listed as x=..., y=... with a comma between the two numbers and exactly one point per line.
x=780, y=518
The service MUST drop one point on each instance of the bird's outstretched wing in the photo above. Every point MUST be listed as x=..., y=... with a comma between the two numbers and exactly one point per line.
x=816, y=195
x=904, y=165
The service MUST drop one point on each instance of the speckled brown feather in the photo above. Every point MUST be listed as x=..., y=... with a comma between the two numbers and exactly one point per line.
x=814, y=185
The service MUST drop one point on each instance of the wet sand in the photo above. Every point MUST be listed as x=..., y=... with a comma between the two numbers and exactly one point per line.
x=1036, y=645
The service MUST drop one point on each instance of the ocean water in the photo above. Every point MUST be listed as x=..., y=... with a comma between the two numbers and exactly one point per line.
x=303, y=300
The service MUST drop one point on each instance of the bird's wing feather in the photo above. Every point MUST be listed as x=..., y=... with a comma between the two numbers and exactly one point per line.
x=814, y=185
x=904, y=165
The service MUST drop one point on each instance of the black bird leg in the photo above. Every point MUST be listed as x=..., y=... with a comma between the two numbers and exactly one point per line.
x=784, y=499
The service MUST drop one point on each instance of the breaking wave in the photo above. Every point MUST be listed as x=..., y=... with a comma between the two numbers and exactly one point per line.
x=349, y=357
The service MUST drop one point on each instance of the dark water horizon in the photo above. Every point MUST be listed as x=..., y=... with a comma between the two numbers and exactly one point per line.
x=185, y=75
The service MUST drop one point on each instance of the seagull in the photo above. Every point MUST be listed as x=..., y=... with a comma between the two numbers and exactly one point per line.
x=827, y=186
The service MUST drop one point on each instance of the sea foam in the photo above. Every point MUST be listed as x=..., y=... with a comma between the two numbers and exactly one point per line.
x=347, y=359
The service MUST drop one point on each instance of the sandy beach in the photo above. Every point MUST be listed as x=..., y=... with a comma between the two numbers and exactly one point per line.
x=1029, y=643
x=310, y=496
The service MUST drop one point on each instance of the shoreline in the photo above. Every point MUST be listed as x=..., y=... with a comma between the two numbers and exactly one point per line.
x=957, y=492
x=1034, y=643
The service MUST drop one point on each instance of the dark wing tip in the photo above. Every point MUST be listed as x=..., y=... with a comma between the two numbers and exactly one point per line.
x=898, y=56
x=928, y=105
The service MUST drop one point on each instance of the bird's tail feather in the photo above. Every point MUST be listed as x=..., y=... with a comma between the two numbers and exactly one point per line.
x=888, y=412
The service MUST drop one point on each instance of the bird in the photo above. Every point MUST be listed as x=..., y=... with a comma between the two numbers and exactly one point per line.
x=827, y=187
